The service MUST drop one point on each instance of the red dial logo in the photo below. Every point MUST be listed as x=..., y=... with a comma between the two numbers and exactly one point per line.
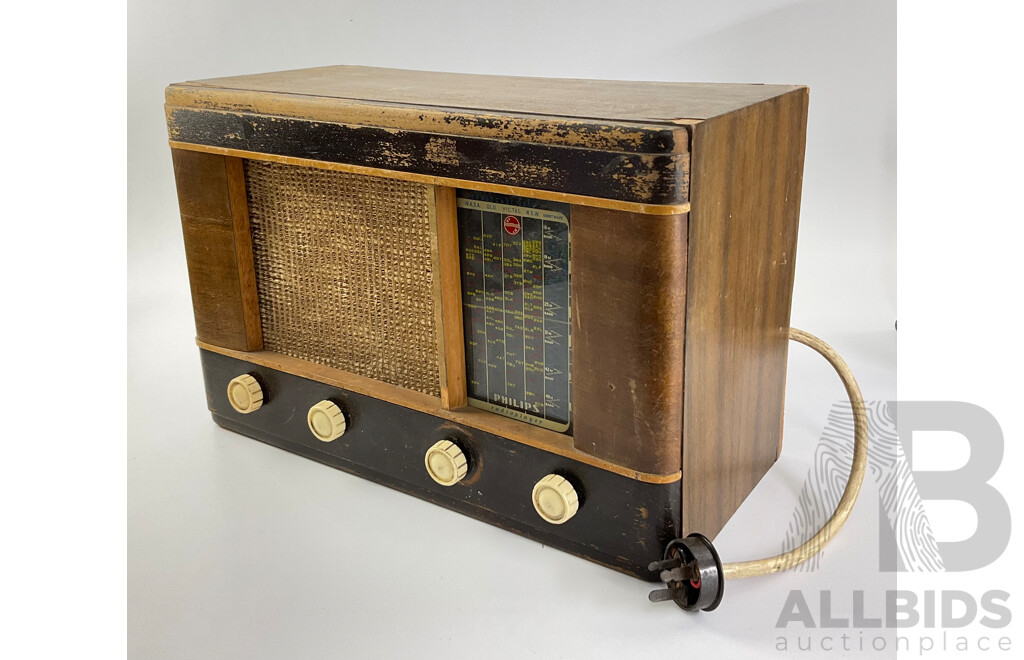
x=512, y=225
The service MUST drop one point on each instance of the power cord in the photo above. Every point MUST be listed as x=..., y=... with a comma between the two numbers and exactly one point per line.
x=691, y=569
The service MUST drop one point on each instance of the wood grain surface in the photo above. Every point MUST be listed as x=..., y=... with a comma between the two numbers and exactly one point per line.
x=448, y=300
x=628, y=304
x=215, y=225
x=610, y=100
x=747, y=174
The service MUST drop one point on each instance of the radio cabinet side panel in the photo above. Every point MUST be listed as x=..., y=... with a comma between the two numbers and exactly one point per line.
x=628, y=304
x=747, y=174
x=215, y=228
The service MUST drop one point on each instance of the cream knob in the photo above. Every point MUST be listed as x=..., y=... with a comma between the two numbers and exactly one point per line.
x=446, y=464
x=245, y=394
x=555, y=499
x=326, y=421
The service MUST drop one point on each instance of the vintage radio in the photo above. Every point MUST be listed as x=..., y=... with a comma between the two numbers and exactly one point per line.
x=558, y=306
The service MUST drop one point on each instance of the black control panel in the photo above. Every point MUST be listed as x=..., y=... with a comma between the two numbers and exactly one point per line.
x=621, y=522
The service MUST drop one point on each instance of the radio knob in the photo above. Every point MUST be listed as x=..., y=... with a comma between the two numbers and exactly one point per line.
x=555, y=499
x=245, y=394
x=446, y=464
x=326, y=421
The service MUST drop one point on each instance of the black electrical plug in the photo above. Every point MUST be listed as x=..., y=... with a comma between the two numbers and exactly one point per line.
x=692, y=573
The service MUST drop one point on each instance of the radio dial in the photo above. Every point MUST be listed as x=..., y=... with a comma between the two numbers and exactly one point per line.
x=555, y=499
x=245, y=394
x=446, y=463
x=326, y=421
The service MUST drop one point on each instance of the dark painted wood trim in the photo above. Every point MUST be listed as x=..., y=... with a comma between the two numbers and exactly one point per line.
x=630, y=177
x=518, y=127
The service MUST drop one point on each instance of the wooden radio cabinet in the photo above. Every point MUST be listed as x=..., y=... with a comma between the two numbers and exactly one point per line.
x=558, y=306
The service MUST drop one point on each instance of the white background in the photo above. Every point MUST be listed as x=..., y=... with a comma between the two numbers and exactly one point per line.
x=960, y=272
x=240, y=550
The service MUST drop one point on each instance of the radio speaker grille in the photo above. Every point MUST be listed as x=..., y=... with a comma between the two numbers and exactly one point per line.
x=344, y=271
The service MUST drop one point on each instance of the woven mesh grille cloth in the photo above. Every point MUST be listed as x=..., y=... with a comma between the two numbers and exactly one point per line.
x=343, y=268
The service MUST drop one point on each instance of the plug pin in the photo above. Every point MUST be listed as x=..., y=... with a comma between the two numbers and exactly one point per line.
x=684, y=572
x=663, y=564
x=661, y=595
